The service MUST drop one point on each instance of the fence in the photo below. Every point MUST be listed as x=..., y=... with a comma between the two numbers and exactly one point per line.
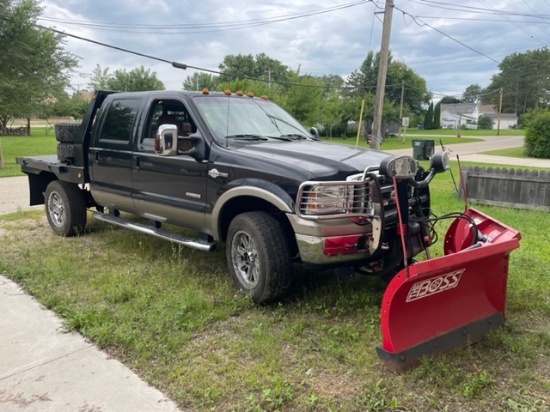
x=517, y=188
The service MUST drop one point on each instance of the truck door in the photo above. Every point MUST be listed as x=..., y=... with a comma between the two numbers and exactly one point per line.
x=110, y=154
x=171, y=188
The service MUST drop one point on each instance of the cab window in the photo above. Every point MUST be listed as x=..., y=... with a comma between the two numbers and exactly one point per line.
x=119, y=121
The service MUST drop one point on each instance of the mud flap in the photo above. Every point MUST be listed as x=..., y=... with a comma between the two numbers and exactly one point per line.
x=451, y=301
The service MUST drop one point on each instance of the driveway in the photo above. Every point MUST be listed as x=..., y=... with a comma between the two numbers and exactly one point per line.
x=14, y=194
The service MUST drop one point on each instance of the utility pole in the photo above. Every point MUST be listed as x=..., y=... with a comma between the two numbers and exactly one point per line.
x=499, y=111
x=382, y=71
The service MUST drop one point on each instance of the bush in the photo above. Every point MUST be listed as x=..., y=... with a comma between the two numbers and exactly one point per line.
x=485, y=122
x=537, y=136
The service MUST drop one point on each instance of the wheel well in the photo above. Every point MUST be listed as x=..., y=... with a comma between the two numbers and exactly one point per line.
x=37, y=186
x=39, y=183
x=243, y=204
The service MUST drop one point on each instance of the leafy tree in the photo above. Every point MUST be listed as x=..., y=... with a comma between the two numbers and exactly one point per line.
x=484, y=122
x=472, y=94
x=437, y=116
x=524, y=80
x=429, y=118
x=331, y=111
x=33, y=64
x=260, y=67
x=416, y=95
x=77, y=106
x=302, y=98
x=450, y=100
x=199, y=81
x=537, y=135
x=138, y=79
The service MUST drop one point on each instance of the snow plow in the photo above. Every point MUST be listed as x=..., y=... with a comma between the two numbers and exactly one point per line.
x=434, y=306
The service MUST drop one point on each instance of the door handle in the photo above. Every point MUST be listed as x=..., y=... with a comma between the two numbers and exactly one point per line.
x=137, y=162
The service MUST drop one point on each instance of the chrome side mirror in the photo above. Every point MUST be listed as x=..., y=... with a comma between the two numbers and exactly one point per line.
x=166, y=140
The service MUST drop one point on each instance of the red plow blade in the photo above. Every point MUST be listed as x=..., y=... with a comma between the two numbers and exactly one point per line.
x=451, y=301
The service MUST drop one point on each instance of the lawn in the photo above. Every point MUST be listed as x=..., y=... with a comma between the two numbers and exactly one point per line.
x=467, y=132
x=39, y=143
x=514, y=152
x=173, y=315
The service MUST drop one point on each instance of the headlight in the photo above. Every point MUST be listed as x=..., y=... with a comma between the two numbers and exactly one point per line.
x=323, y=200
x=400, y=167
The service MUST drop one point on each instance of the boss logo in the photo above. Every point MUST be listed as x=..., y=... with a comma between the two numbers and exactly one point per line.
x=432, y=286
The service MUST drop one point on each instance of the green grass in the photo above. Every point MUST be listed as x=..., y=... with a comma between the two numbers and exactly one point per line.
x=514, y=152
x=467, y=132
x=39, y=143
x=173, y=315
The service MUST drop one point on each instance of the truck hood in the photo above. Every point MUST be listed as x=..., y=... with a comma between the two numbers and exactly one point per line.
x=321, y=159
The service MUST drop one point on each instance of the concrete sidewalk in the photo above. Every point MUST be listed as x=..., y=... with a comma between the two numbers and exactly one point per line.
x=43, y=368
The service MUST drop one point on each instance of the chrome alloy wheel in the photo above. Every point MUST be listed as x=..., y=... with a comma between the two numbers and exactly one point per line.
x=56, y=209
x=244, y=256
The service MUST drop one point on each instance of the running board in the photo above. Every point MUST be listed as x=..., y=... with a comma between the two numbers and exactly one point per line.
x=194, y=243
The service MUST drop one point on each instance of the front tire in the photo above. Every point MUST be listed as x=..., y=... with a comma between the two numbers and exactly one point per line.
x=65, y=208
x=258, y=256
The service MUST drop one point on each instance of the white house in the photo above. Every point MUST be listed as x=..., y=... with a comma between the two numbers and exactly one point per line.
x=455, y=115
x=507, y=120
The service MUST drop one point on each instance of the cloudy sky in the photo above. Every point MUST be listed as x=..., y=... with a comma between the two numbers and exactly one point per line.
x=449, y=45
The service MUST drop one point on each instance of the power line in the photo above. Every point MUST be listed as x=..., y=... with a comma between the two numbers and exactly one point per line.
x=445, y=34
x=191, y=28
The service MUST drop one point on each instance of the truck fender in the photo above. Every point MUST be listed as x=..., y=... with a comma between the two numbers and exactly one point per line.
x=258, y=188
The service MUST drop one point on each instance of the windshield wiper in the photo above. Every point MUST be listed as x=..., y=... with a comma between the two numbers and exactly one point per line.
x=285, y=138
x=246, y=137
x=295, y=136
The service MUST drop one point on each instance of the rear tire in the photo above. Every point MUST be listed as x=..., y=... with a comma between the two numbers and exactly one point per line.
x=65, y=208
x=258, y=256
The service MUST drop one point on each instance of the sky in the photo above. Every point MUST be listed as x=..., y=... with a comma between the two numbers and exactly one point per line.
x=450, y=44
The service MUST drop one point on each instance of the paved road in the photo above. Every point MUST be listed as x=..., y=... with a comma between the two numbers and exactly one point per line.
x=473, y=151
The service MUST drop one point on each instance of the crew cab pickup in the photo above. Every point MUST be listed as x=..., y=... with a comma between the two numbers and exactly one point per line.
x=236, y=170
x=239, y=170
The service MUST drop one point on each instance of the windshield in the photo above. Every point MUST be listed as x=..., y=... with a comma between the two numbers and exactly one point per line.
x=247, y=118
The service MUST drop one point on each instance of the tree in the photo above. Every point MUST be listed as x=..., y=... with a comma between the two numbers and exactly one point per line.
x=484, y=122
x=138, y=79
x=331, y=110
x=199, y=81
x=524, y=80
x=77, y=105
x=260, y=67
x=429, y=118
x=537, y=135
x=437, y=116
x=472, y=94
x=450, y=100
x=302, y=98
x=33, y=64
x=415, y=96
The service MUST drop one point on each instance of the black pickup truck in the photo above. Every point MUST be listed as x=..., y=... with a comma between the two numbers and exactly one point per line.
x=239, y=170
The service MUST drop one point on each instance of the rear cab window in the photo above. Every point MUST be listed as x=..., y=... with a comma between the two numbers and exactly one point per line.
x=119, y=122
